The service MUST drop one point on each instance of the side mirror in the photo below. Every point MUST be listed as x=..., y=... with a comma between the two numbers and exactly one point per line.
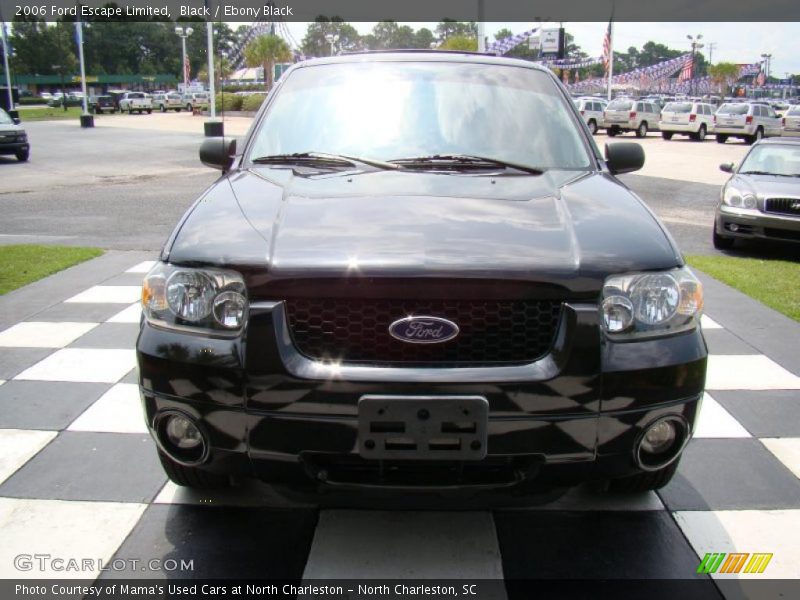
x=16, y=120
x=218, y=152
x=727, y=167
x=624, y=157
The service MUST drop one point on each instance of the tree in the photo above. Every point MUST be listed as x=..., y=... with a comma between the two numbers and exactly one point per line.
x=315, y=43
x=424, y=38
x=449, y=28
x=222, y=70
x=460, y=42
x=724, y=74
x=264, y=51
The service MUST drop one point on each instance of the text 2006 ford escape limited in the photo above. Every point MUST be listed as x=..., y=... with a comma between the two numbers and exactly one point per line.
x=417, y=272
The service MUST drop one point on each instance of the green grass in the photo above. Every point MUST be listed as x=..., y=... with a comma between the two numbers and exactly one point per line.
x=23, y=264
x=775, y=283
x=49, y=113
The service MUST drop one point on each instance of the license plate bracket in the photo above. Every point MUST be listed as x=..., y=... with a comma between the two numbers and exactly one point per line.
x=422, y=427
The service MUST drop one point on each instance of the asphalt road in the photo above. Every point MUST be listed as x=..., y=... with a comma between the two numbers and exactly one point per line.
x=125, y=188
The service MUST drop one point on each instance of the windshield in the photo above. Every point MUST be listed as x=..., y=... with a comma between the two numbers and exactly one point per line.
x=794, y=111
x=393, y=110
x=620, y=105
x=733, y=109
x=774, y=159
x=678, y=107
x=4, y=118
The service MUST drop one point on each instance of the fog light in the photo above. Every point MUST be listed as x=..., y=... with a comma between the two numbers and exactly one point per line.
x=183, y=433
x=733, y=227
x=659, y=437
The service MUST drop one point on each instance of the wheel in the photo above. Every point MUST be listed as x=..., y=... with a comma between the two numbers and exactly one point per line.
x=163, y=108
x=592, y=126
x=700, y=135
x=667, y=135
x=612, y=132
x=645, y=481
x=641, y=131
x=722, y=242
x=98, y=111
x=178, y=109
x=721, y=138
x=149, y=111
x=759, y=135
x=192, y=477
x=23, y=155
x=189, y=107
x=130, y=110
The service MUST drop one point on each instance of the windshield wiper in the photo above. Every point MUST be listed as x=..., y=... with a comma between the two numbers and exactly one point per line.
x=765, y=173
x=465, y=160
x=322, y=158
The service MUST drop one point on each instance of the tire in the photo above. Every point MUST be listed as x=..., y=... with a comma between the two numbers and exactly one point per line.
x=23, y=156
x=721, y=138
x=667, y=135
x=759, y=135
x=641, y=131
x=645, y=481
x=722, y=242
x=149, y=111
x=189, y=107
x=592, y=126
x=163, y=108
x=178, y=109
x=612, y=132
x=98, y=111
x=192, y=477
x=130, y=110
x=700, y=135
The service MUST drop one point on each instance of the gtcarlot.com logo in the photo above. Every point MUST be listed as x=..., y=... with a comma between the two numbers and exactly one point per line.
x=48, y=562
x=734, y=562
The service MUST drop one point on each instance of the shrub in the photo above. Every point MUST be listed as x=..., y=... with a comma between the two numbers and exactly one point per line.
x=253, y=102
x=227, y=102
x=31, y=100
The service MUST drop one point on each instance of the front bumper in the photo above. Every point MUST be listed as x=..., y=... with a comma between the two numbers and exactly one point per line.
x=756, y=225
x=741, y=131
x=14, y=147
x=679, y=127
x=269, y=412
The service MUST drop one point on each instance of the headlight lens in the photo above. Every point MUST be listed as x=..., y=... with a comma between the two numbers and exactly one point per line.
x=195, y=298
x=738, y=198
x=651, y=304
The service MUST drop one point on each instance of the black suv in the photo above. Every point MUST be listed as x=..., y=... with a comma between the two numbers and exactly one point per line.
x=418, y=272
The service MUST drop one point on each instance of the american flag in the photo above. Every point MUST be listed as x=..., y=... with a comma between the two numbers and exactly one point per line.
x=187, y=69
x=607, y=48
x=686, y=72
x=761, y=79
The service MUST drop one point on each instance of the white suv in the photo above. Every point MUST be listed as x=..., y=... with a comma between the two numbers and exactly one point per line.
x=165, y=101
x=591, y=110
x=694, y=119
x=631, y=115
x=746, y=120
x=195, y=100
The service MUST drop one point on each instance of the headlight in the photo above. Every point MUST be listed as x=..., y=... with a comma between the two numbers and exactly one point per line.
x=738, y=198
x=650, y=304
x=181, y=297
x=22, y=137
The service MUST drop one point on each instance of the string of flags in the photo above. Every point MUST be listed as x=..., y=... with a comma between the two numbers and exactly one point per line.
x=500, y=47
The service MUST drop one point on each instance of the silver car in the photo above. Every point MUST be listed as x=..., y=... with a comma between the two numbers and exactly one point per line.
x=749, y=121
x=623, y=115
x=761, y=200
x=165, y=101
x=591, y=110
x=790, y=124
x=694, y=119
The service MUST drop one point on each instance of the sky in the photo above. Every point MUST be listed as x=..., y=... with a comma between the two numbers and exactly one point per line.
x=733, y=42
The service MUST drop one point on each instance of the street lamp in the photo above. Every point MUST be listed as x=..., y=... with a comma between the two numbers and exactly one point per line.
x=183, y=33
x=695, y=40
x=332, y=38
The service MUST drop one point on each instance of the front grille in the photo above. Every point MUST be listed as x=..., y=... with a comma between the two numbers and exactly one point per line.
x=782, y=234
x=357, y=330
x=783, y=206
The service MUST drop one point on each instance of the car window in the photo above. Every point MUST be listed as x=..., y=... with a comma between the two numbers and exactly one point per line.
x=778, y=159
x=391, y=110
x=794, y=111
x=678, y=107
x=620, y=105
x=733, y=109
x=5, y=119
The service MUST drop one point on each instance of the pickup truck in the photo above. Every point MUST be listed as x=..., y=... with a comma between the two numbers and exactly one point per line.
x=136, y=101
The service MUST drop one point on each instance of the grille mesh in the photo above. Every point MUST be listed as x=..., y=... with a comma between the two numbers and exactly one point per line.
x=783, y=206
x=357, y=330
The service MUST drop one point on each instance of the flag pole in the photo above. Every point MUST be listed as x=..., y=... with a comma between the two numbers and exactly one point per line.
x=6, y=67
x=610, y=54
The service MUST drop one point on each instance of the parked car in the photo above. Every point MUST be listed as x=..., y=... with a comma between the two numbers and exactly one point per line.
x=195, y=100
x=101, y=104
x=136, y=102
x=790, y=123
x=694, y=119
x=761, y=200
x=625, y=115
x=13, y=138
x=394, y=289
x=749, y=121
x=591, y=110
x=46, y=95
x=59, y=100
x=168, y=101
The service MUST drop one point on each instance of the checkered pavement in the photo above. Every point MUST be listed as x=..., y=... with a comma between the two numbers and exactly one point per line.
x=79, y=477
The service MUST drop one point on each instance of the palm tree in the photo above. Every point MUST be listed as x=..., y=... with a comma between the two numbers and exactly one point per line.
x=222, y=70
x=265, y=51
x=724, y=74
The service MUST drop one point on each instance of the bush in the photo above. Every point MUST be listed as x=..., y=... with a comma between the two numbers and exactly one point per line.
x=227, y=102
x=253, y=102
x=31, y=100
x=243, y=87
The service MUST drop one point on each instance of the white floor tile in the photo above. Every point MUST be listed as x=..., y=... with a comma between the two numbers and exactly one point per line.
x=43, y=335
x=62, y=529
x=142, y=267
x=128, y=315
x=119, y=410
x=708, y=323
x=109, y=294
x=248, y=493
x=82, y=364
x=716, y=422
x=583, y=498
x=787, y=450
x=2, y=381
x=772, y=531
x=748, y=372
x=18, y=446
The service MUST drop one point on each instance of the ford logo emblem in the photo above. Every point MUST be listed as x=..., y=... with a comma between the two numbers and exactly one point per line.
x=423, y=330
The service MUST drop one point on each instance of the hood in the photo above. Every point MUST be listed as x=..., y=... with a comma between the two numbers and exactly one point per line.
x=562, y=226
x=768, y=186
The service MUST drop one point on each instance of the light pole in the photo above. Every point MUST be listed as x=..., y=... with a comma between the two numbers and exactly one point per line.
x=332, y=38
x=695, y=40
x=6, y=68
x=183, y=33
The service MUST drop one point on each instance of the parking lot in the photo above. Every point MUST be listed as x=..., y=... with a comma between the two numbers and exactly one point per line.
x=79, y=474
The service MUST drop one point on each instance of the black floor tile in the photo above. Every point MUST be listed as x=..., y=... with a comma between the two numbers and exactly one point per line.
x=721, y=341
x=45, y=404
x=14, y=361
x=773, y=413
x=79, y=312
x=109, y=335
